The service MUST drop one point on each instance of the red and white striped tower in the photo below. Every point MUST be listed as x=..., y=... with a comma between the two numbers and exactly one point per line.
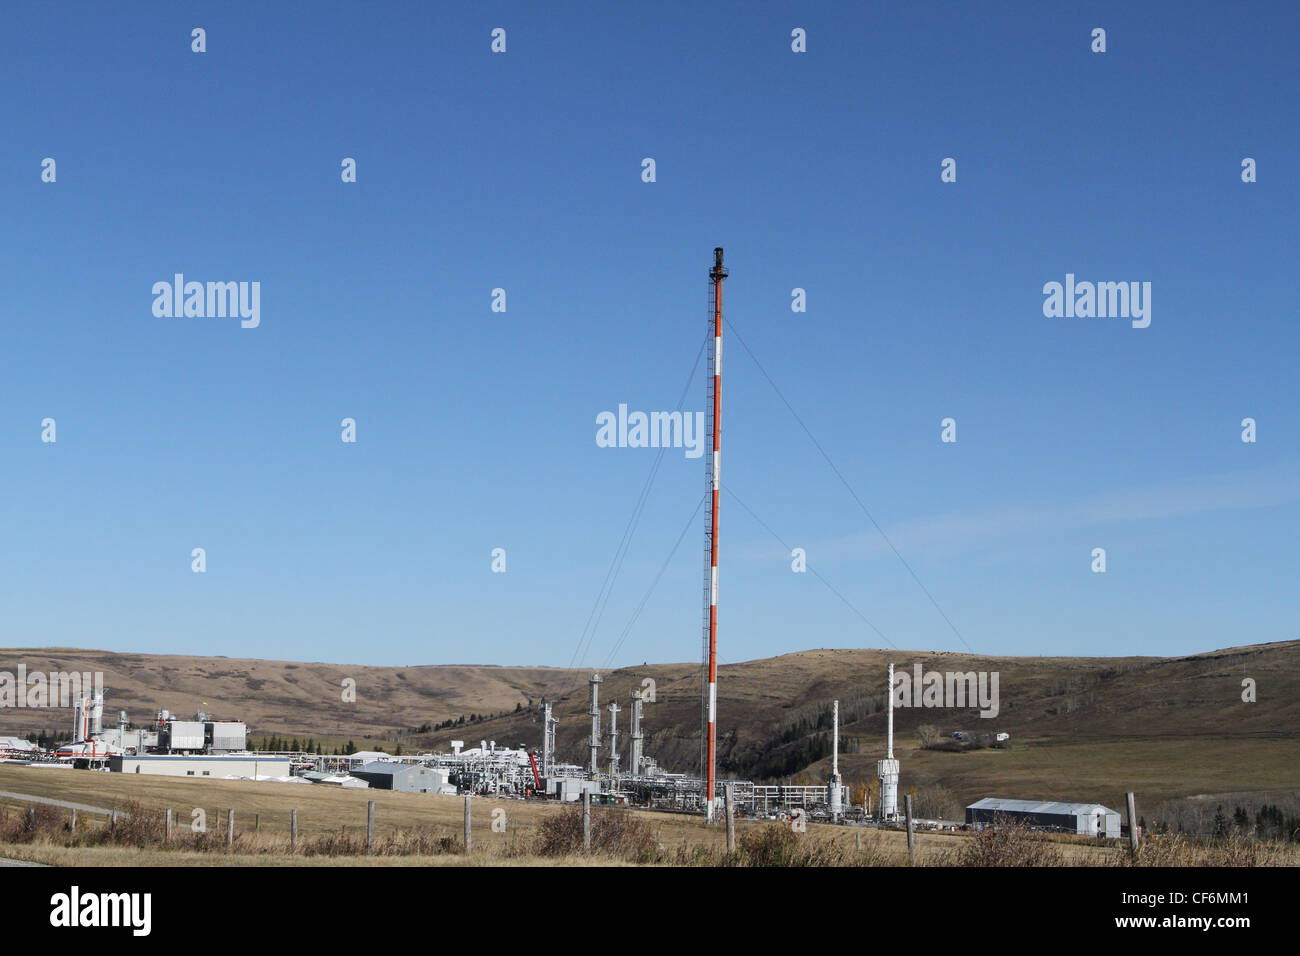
x=716, y=274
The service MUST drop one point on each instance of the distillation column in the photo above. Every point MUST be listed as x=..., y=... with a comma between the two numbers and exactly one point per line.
x=635, y=756
x=834, y=796
x=887, y=769
x=613, y=741
x=594, y=742
x=548, y=738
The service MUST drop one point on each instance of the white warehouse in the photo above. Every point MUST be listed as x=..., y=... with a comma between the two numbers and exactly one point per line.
x=1088, y=818
x=201, y=765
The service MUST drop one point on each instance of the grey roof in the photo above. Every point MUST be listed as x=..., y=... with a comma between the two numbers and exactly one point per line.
x=386, y=767
x=1038, y=806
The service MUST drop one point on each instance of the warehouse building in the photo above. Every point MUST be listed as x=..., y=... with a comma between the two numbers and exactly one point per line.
x=406, y=777
x=1091, y=819
x=201, y=765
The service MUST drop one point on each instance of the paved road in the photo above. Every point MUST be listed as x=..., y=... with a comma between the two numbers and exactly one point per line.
x=54, y=803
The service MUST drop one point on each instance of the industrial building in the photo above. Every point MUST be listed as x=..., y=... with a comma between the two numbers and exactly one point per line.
x=202, y=765
x=405, y=777
x=570, y=789
x=16, y=748
x=1091, y=819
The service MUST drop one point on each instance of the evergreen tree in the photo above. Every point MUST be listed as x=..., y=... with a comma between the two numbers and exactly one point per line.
x=1220, y=823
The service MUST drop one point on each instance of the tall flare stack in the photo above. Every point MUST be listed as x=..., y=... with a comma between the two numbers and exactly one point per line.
x=716, y=276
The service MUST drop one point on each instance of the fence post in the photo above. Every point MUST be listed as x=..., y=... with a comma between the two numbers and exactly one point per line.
x=293, y=830
x=728, y=798
x=586, y=820
x=370, y=827
x=1132, y=827
x=257, y=822
x=911, y=836
x=230, y=827
x=469, y=836
x=167, y=828
x=74, y=820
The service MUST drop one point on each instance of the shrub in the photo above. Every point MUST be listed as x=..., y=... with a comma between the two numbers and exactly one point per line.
x=616, y=833
x=772, y=845
x=32, y=823
x=1009, y=844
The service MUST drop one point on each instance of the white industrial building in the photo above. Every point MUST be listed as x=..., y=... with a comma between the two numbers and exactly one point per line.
x=201, y=765
x=16, y=747
x=1091, y=819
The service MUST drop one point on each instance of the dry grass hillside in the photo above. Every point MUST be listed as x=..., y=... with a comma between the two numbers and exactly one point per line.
x=285, y=697
x=1082, y=728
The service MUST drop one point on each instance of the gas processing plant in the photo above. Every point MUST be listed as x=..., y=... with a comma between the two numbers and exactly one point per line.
x=205, y=747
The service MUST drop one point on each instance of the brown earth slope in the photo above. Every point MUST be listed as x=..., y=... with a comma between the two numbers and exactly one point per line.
x=1082, y=728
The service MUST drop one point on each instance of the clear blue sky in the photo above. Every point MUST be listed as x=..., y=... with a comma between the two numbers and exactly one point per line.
x=476, y=429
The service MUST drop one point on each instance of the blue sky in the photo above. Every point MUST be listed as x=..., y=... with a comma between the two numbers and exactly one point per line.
x=476, y=429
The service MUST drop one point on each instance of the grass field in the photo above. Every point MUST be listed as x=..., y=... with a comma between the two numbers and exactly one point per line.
x=321, y=809
x=326, y=814
x=327, y=810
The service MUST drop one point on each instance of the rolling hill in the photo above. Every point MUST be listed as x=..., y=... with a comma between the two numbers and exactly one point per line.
x=1081, y=728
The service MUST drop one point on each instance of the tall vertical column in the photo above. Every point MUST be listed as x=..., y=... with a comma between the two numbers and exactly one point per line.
x=594, y=742
x=613, y=741
x=548, y=738
x=635, y=756
x=834, y=794
x=717, y=274
x=887, y=769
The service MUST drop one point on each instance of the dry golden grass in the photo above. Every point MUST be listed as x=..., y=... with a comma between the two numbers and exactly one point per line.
x=54, y=855
x=425, y=831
